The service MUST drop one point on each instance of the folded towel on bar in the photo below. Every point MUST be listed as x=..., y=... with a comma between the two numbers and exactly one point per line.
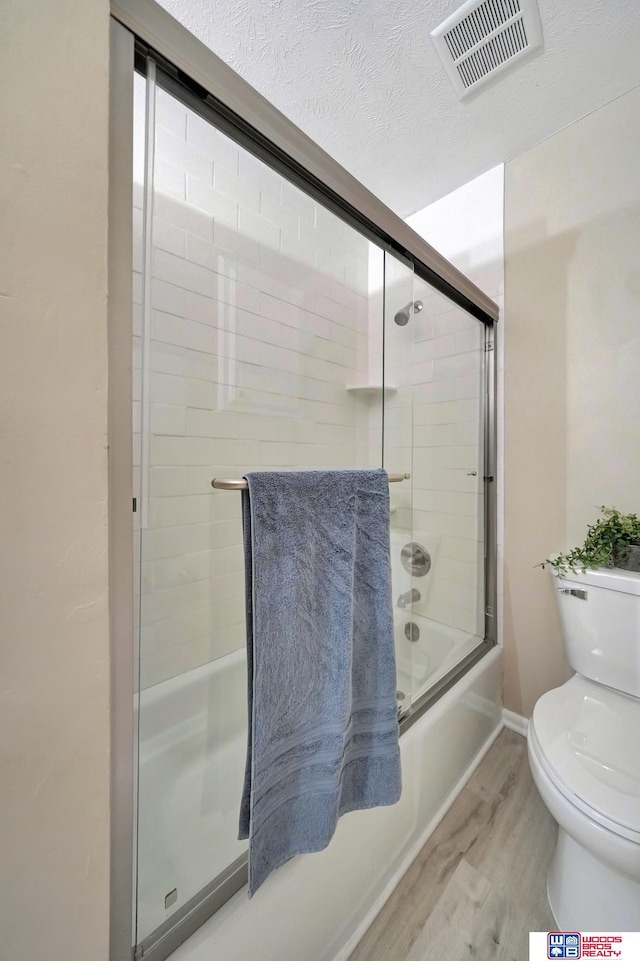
x=323, y=729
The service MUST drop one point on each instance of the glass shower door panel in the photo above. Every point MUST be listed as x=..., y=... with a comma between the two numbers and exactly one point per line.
x=399, y=313
x=448, y=466
x=192, y=688
x=255, y=328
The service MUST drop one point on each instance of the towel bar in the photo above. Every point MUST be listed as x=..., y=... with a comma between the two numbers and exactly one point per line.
x=240, y=484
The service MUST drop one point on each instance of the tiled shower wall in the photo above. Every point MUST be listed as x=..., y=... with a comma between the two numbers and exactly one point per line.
x=262, y=310
x=256, y=321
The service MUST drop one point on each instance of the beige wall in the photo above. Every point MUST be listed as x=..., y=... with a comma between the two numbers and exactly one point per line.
x=572, y=383
x=54, y=745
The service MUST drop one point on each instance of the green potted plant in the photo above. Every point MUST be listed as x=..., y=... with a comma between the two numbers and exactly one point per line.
x=613, y=541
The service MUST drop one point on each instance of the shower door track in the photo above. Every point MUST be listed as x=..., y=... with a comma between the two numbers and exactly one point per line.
x=140, y=28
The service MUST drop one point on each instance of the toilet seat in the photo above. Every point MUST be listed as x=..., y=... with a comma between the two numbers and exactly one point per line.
x=585, y=737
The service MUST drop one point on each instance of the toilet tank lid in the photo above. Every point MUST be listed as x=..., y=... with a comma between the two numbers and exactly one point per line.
x=611, y=578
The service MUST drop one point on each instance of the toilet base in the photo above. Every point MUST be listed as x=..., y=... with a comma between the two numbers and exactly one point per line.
x=586, y=895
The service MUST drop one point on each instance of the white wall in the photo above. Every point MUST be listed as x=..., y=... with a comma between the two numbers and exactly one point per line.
x=54, y=692
x=572, y=213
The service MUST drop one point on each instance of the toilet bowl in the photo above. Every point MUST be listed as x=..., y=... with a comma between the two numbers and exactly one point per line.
x=584, y=757
x=584, y=754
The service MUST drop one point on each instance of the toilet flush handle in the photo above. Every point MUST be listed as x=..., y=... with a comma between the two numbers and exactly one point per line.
x=575, y=592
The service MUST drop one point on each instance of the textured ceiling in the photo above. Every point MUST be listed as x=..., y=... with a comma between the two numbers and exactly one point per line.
x=361, y=77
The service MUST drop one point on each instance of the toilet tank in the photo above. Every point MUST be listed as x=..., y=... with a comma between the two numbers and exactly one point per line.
x=600, y=615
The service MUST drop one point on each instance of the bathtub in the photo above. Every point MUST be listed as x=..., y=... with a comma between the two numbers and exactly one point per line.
x=192, y=751
x=192, y=746
x=422, y=662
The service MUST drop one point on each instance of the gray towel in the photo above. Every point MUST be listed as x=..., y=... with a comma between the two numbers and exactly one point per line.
x=323, y=730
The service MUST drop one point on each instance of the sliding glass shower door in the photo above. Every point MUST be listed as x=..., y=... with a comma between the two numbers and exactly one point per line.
x=253, y=354
x=397, y=433
x=448, y=480
x=435, y=387
x=270, y=334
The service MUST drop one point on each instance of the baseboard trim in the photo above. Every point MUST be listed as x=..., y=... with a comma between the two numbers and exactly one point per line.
x=515, y=722
x=347, y=949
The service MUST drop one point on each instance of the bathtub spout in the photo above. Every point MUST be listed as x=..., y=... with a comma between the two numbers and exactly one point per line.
x=410, y=597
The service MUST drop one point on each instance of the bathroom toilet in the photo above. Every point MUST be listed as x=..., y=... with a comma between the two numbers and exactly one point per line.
x=584, y=753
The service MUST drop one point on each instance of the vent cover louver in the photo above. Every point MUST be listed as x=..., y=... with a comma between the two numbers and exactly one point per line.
x=484, y=37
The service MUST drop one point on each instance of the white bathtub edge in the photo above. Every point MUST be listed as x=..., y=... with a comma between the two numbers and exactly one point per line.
x=515, y=722
x=347, y=949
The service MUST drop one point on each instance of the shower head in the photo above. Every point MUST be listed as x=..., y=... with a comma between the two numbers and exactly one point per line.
x=403, y=315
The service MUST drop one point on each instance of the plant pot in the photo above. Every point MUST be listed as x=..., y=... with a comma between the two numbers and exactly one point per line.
x=628, y=558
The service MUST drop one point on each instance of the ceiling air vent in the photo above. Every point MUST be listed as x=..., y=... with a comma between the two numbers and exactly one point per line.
x=484, y=37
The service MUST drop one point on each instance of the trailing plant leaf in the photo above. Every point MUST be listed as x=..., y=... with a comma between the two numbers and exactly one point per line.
x=607, y=540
